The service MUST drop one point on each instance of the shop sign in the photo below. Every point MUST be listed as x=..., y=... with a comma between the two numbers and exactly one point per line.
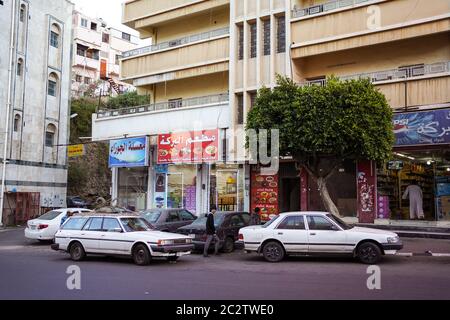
x=76, y=150
x=189, y=147
x=126, y=153
x=264, y=194
x=160, y=191
x=366, y=184
x=421, y=128
x=162, y=168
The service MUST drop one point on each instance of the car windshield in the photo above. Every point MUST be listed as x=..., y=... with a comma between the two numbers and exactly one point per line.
x=339, y=222
x=268, y=223
x=152, y=216
x=50, y=215
x=134, y=224
x=218, y=218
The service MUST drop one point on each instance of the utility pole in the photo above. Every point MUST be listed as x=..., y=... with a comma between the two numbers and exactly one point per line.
x=8, y=108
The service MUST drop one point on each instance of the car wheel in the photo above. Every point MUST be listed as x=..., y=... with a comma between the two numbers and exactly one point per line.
x=273, y=252
x=141, y=255
x=77, y=252
x=369, y=253
x=228, y=245
x=172, y=259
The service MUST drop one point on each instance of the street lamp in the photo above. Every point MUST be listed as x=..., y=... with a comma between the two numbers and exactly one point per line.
x=73, y=116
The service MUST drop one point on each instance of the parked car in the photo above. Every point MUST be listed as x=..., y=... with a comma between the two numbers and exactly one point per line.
x=317, y=233
x=45, y=227
x=77, y=202
x=227, y=227
x=168, y=219
x=119, y=234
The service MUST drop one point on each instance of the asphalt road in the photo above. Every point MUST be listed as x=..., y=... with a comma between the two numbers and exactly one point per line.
x=30, y=270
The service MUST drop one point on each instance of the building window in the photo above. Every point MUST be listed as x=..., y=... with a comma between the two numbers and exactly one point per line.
x=52, y=84
x=54, y=39
x=118, y=57
x=252, y=98
x=253, y=48
x=78, y=78
x=93, y=26
x=126, y=36
x=175, y=103
x=266, y=37
x=87, y=80
x=23, y=10
x=240, y=108
x=281, y=34
x=93, y=54
x=20, y=67
x=16, y=123
x=241, y=43
x=84, y=22
x=105, y=37
x=50, y=135
x=81, y=50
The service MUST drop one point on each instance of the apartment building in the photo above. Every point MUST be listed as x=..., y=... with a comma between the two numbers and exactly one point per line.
x=34, y=97
x=97, y=49
x=203, y=71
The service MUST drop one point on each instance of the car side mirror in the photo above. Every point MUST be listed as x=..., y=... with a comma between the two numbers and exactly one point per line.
x=335, y=228
x=118, y=230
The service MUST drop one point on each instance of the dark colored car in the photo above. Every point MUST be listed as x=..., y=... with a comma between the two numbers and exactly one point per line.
x=168, y=220
x=76, y=202
x=227, y=229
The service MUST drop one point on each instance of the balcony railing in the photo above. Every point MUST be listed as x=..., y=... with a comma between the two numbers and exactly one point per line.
x=177, y=42
x=401, y=73
x=167, y=105
x=332, y=5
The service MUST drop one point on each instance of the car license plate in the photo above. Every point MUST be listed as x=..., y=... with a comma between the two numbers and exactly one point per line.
x=33, y=227
x=192, y=236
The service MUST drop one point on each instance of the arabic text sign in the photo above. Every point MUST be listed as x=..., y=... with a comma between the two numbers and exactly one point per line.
x=189, y=147
x=132, y=152
x=425, y=127
x=76, y=150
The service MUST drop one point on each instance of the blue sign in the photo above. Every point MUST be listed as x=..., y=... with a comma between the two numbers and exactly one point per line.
x=422, y=128
x=126, y=153
x=162, y=168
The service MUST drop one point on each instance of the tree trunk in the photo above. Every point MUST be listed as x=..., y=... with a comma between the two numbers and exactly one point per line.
x=326, y=198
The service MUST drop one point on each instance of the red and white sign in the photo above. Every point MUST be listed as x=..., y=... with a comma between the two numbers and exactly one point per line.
x=189, y=147
x=264, y=195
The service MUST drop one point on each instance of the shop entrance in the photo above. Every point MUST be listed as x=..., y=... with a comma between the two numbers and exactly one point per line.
x=415, y=185
x=290, y=194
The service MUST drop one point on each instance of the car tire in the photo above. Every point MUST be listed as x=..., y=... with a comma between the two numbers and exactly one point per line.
x=77, y=252
x=172, y=259
x=368, y=253
x=141, y=255
x=273, y=251
x=228, y=245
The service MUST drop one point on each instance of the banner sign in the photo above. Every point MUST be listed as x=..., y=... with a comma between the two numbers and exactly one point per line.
x=76, y=150
x=264, y=195
x=127, y=153
x=420, y=128
x=188, y=147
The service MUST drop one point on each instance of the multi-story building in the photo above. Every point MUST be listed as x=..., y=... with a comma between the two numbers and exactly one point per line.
x=97, y=49
x=35, y=72
x=203, y=71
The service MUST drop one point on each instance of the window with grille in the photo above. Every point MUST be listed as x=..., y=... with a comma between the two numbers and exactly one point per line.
x=78, y=78
x=52, y=88
x=266, y=37
x=252, y=99
x=84, y=22
x=240, y=108
x=253, y=48
x=241, y=43
x=105, y=37
x=54, y=39
x=281, y=34
x=126, y=36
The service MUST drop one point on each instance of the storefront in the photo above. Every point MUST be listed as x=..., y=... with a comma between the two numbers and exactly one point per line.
x=421, y=159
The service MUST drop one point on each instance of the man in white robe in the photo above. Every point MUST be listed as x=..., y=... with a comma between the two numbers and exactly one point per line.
x=415, y=201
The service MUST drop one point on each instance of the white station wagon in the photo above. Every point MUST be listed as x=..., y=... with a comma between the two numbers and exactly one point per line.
x=123, y=235
x=317, y=233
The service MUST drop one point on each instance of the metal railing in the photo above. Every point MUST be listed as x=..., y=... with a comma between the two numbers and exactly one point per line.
x=400, y=73
x=332, y=5
x=166, y=105
x=177, y=42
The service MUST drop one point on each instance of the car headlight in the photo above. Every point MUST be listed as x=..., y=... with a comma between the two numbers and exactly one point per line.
x=189, y=240
x=165, y=242
x=393, y=239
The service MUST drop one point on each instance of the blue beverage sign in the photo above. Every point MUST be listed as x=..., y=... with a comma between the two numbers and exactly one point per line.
x=126, y=153
x=422, y=128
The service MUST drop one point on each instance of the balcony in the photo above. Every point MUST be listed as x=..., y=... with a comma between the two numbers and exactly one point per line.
x=325, y=28
x=182, y=115
x=144, y=14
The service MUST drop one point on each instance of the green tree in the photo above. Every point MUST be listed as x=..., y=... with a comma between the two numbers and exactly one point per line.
x=321, y=126
x=81, y=125
x=126, y=100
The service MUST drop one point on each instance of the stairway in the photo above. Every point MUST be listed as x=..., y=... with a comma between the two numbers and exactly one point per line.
x=114, y=85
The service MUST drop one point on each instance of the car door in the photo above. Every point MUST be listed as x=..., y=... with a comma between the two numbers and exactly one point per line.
x=186, y=218
x=325, y=236
x=291, y=231
x=91, y=233
x=172, y=221
x=111, y=238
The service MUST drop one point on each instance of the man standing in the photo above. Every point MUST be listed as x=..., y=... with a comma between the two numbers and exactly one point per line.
x=211, y=232
x=255, y=219
x=415, y=201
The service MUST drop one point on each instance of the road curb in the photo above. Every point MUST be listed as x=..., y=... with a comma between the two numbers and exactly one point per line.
x=422, y=254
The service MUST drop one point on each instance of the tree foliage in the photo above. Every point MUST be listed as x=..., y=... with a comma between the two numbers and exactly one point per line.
x=321, y=126
x=126, y=100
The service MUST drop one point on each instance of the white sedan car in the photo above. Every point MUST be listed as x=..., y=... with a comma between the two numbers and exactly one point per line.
x=119, y=234
x=317, y=233
x=45, y=227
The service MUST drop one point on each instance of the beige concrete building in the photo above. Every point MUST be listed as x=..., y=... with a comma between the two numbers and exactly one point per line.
x=210, y=57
